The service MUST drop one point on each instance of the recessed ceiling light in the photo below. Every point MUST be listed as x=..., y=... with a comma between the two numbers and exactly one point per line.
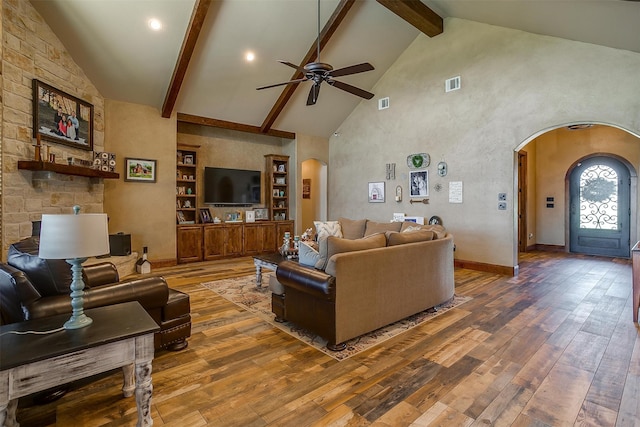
x=154, y=24
x=250, y=56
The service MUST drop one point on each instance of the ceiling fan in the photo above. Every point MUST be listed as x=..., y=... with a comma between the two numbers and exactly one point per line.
x=319, y=72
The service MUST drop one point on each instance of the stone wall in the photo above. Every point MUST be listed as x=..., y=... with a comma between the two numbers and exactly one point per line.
x=32, y=51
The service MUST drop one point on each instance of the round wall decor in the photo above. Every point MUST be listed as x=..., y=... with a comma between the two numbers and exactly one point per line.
x=418, y=161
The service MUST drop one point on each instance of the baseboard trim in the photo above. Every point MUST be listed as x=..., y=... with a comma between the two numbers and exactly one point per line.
x=488, y=268
x=550, y=248
x=163, y=262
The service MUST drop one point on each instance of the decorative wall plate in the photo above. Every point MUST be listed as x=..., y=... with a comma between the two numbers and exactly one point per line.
x=435, y=220
x=417, y=161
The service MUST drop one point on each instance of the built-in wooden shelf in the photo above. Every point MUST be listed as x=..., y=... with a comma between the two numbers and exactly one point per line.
x=34, y=165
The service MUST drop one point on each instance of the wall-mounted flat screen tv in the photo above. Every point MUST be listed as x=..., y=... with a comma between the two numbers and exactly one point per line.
x=224, y=186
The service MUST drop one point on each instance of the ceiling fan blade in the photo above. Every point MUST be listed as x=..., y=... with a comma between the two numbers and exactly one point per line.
x=354, y=69
x=282, y=84
x=351, y=89
x=292, y=66
x=313, y=94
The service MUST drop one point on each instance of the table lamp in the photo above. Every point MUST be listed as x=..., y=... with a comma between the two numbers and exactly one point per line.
x=74, y=238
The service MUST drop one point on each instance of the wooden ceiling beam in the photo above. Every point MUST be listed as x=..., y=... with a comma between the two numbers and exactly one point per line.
x=329, y=29
x=198, y=15
x=223, y=124
x=417, y=14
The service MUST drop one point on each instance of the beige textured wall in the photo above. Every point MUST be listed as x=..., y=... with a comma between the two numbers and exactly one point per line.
x=32, y=51
x=514, y=84
x=532, y=191
x=145, y=210
x=556, y=151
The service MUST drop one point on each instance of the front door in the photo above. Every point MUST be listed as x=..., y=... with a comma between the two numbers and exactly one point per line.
x=599, y=216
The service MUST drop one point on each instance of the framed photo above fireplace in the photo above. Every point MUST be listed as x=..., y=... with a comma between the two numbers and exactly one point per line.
x=61, y=118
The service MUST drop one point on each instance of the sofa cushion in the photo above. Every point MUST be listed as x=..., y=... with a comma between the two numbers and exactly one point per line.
x=325, y=229
x=307, y=255
x=336, y=246
x=352, y=228
x=439, y=230
x=416, y=236
x=380, y=227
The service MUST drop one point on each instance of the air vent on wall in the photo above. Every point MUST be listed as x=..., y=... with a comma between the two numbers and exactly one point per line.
x=452, y=84
x=383, y=103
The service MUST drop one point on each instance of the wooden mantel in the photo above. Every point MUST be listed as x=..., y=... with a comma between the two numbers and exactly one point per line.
x=34, y=165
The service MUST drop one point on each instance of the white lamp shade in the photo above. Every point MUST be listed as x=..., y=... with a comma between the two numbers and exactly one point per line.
x=73, y=236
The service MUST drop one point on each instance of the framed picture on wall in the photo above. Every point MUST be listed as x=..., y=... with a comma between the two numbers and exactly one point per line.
x=376, y=192
x=142, y=170
x=419, y=183
x=61, y=118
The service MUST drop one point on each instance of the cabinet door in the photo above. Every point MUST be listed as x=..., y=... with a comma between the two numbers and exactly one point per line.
x=253, y=236
x=189, y=244
x=270, y=240
x=213, y=242
x=281, y=228
x=233, y=240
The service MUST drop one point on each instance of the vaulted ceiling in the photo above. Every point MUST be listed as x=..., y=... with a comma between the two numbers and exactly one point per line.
x=195, y=65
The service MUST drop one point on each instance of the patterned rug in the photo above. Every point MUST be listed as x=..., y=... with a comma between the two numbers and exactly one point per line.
x=242, y=291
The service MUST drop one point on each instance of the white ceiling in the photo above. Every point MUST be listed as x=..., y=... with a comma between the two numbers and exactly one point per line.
x=126, y=61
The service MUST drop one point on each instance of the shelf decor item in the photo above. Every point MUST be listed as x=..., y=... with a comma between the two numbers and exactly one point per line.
x=61, y=118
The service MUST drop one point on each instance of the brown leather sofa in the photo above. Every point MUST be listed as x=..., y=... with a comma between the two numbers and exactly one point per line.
x=32, y=287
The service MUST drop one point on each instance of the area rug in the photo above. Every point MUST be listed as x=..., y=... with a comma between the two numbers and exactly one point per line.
x=243, y=292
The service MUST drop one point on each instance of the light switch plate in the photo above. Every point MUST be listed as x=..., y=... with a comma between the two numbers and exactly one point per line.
x=502, y=196
x=502, y=206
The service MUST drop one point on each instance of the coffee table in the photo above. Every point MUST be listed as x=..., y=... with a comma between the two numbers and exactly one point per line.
x=269, y=260
x=121, y=335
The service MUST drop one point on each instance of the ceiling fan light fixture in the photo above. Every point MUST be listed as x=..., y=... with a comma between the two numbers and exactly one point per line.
x=318, y=72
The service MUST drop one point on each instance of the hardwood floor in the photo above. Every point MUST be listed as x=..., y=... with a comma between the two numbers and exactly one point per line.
x=554, y=346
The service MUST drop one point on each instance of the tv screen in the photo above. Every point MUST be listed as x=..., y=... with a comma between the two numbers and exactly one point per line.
x=231, y=186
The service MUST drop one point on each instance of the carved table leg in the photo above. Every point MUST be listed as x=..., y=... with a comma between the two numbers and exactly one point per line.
x=129, y=385
x=144, y=390
x=8, y=414
x=258, y=275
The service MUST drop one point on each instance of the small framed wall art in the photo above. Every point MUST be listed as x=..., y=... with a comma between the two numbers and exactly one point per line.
x=140, y=170
x=376, y=192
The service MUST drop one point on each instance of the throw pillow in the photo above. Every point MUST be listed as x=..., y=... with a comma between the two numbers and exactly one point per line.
x=325, y=229
x=337, y=246
x=352, y=228
x=380, y=227
x=307, y=255
x=438, y=230
x=416, y=236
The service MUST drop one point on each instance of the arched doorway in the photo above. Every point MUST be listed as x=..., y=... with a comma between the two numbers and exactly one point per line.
x=599, y=207
x=314, y=193
x=542, y=212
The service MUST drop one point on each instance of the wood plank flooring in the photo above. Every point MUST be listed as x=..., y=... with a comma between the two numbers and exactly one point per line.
x=554, y=346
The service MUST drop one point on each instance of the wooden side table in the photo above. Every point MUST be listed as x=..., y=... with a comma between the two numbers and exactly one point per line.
x=121, y=335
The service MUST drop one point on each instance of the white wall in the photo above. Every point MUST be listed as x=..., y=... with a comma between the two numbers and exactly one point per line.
x=514, y=84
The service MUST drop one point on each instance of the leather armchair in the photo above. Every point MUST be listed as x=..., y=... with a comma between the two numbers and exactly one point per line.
x=32, y=287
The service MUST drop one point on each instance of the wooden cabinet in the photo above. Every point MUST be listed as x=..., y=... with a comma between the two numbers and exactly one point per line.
x=277, y=186
x=189, y=243
x=222, y=240
x=186, y=184
x=259, y=238
x=208, y=242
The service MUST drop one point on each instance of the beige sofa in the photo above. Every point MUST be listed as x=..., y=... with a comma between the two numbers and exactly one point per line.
x=363, y=290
